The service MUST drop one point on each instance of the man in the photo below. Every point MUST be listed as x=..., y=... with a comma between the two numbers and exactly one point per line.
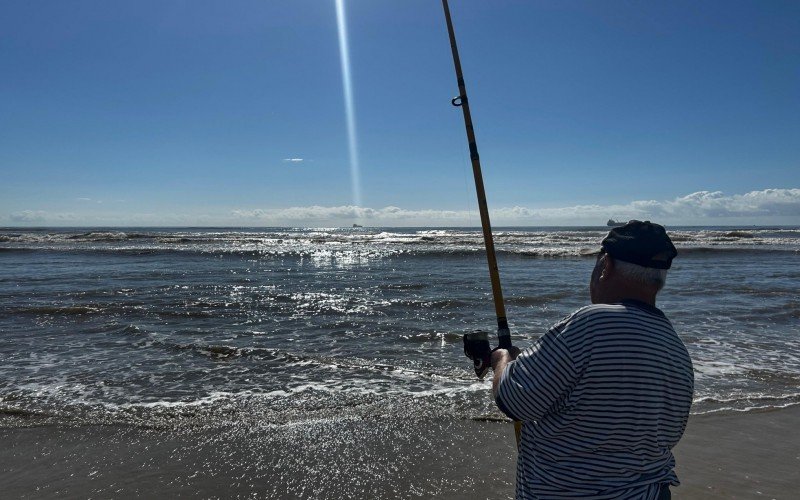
x=605, y=394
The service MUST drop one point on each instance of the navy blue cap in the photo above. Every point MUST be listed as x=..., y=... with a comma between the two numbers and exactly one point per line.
x=642, y=243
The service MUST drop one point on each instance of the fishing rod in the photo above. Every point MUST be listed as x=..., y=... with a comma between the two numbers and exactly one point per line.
x=476, y=345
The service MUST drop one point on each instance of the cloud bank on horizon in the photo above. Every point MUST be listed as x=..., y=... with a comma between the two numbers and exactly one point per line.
x=768, y=206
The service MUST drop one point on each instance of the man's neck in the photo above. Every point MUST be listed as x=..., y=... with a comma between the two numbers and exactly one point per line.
x=623, y=294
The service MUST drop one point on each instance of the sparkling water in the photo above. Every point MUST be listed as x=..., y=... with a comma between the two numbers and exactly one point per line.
x=280, y=325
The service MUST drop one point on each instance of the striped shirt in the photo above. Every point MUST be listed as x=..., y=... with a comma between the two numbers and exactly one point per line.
x=604, y=396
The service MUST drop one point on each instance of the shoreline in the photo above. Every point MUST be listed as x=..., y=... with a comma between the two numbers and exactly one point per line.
x=733, y=455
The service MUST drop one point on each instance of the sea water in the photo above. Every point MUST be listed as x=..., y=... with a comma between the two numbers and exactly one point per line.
x=288, y=325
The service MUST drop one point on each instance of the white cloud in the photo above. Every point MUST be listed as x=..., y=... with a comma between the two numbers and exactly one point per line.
x=768, y=206
x=40, y=216
x=699, y=205
x=702, y=207
x=293, y=160
x=28, y=216
x=769, y=202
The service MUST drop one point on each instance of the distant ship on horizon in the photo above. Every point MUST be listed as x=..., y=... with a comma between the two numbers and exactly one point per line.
x=613, y=223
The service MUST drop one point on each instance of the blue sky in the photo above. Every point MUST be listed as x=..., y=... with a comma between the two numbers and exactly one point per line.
x=232, y=113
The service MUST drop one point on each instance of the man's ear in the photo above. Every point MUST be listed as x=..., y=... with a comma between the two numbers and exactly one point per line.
x=608, y=268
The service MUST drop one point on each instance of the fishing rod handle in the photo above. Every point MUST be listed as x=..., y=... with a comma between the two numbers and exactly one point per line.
x=504, y=337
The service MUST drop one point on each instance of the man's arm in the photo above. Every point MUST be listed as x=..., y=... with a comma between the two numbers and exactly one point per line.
x=527, y=386
x=500, y=359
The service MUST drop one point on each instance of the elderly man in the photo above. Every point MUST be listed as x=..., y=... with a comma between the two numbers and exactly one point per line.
x=605, y=394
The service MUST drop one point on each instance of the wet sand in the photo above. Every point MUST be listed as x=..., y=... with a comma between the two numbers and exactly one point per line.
x=753, y=455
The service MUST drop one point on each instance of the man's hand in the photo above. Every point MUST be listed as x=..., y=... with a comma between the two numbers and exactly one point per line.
x=500, y=358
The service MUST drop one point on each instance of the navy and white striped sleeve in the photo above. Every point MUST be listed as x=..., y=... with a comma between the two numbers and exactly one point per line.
x=538, y=380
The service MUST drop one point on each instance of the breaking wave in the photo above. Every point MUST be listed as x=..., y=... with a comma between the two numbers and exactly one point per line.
x=378, y=243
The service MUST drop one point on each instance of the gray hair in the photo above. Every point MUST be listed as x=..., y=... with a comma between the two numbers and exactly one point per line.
x=647, y=276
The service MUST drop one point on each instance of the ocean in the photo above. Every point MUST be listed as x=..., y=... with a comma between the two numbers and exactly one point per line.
x=280, y=326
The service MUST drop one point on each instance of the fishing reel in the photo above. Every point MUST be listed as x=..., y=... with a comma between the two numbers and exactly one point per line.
x=477, y=348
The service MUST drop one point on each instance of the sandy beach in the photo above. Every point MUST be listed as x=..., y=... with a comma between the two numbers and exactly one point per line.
x=752, y=455
x=744, y=455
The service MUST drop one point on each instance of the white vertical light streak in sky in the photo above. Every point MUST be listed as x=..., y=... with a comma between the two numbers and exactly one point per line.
x=347, y=83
